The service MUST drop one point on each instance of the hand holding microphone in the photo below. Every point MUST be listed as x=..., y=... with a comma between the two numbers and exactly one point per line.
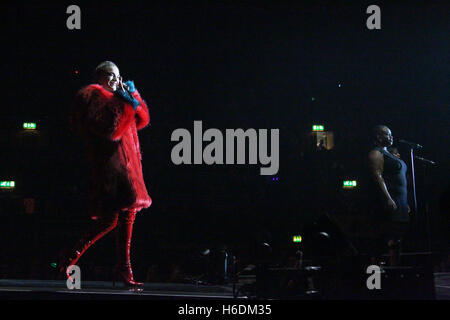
x=125, y=92
x=127, y=85
x=122, y=85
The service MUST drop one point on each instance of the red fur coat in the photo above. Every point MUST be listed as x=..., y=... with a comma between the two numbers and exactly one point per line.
x=109, y=128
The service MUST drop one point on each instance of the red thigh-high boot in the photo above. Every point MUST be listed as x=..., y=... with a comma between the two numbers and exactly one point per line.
x=124, y=231
x=99, y=228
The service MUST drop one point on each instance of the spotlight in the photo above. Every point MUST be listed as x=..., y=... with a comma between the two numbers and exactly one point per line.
x=324, y=234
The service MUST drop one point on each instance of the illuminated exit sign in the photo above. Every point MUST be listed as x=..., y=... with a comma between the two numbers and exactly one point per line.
x=349, y=184
x=318, y=127
x=297, y=239
x=7, y=184
x=29, y=125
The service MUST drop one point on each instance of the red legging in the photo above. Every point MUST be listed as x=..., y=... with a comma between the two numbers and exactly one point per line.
x=123, y=222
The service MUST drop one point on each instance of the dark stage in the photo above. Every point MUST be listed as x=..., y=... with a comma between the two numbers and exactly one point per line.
x=102, y=290
x=92, y=290
x=209, y=139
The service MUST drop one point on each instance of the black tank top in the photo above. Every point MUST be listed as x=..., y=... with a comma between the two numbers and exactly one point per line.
x=394, y=175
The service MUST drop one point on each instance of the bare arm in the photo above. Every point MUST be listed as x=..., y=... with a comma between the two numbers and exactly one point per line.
x=376, y=164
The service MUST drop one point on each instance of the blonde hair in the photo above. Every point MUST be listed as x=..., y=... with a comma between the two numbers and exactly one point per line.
x=100, y=69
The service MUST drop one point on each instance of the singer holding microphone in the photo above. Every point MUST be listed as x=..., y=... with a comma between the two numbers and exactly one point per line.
x=107, y=115
x=388, y=194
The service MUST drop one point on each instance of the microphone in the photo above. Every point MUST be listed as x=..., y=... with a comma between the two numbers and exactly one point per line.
x=425, y=160
x=411, y=144
x=126, y=87
x=120, y=85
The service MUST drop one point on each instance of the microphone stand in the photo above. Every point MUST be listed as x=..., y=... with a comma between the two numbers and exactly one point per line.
x=415, y=219
x=413, y=183
x=426, y=163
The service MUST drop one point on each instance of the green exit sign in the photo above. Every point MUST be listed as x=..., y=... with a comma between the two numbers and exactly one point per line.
x=297, y=238
x=7, y=184
x=29, y=125
x=318, y=127
x=349, y=184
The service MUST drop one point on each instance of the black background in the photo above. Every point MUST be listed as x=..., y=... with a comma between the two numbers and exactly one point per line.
x=231, y=65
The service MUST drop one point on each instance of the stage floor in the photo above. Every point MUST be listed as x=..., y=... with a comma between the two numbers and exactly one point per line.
x=103, y=290
x=56, y=289
x=442, y=285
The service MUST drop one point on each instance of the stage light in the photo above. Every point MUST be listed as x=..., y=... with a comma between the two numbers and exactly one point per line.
x=297, y=238
x=318, y=127
x=313, y=99
x=29, y=125
x=348, y=184
x=324, y=234
x=7, y=184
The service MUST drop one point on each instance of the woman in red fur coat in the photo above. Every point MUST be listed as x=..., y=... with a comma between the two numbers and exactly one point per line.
x=107, y=115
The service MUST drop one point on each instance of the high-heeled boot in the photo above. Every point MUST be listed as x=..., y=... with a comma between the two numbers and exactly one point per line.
x=95, y=231
x=123, y=271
